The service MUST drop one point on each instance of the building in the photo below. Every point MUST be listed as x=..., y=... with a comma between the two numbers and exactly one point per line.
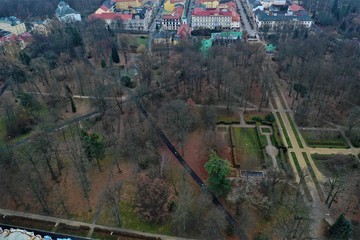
x=12, y=25
x=211, y=18
x=66, y=14
x=172, y=14
x=279, y=16
x=208, y=3
x=126, y=4
x=131, y=18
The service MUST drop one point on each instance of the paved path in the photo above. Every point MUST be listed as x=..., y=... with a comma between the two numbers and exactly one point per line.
x=319, y=210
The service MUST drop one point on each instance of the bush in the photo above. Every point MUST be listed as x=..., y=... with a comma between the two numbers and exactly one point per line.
x=257, y=119
x=250, y=122
x=270, y=118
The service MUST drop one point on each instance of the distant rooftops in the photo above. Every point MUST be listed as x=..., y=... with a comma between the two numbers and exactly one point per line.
x=211, y=12
x=262, y=16
x=64, y=9
x=11, y=20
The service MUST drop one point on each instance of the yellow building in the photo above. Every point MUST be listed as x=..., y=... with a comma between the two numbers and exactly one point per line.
x=13, y=25
x=210, y=3
x=168, y=6
x=126, y=4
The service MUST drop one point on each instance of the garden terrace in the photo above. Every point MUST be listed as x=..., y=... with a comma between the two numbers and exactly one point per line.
x=335, y=163
x=324, y=139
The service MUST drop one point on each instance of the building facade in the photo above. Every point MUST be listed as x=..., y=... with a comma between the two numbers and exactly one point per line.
x=66, y=14
x=12, y=25
x=211, y=19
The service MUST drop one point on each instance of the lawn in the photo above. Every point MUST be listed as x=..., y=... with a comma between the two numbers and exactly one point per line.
x=131, y=220
x=299, y=170
x=333, y=163
x=324, y=139
x=248, y=148
x=294, y=130
x=142, y=40
x=313, y=176
x=265, y=130
x=284, y=130
x=226, y=116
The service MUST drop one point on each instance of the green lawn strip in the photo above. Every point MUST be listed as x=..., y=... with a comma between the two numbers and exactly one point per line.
x=299, y=170
x=284, y=130
x=312, y=141
x=313, y=176
x=262, y=138
x=294, y=130
x=131, y=220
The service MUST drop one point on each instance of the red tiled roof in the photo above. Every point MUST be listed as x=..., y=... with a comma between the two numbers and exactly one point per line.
x=105, y=8
x=296, y=8
x=26, y=37
x=184, y=31
x=111, y=16
x=210, y=12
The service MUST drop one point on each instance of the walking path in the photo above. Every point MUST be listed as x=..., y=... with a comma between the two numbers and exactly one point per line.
x=74, y=223
x=319, y=208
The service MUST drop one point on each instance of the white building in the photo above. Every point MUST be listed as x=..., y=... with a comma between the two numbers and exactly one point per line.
x=66, y=14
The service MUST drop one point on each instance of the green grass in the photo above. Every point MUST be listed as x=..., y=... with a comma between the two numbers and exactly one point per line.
x=313, y=176
x=324, y=139
x=247, y=147
x=284, y=130
x=265, y=130
x=131, y=220
x=142, y=40
x=300, y=172
x=294, y=130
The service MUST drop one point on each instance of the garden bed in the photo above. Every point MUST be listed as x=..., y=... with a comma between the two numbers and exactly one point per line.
x=324, y=139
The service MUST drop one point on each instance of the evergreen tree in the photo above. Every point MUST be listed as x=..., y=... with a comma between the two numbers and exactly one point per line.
x=114, y=55
x=218, y=170
x=342, y=229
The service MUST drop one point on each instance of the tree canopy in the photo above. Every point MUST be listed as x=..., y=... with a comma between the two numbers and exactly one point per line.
x=218, y=170
x=342, y=229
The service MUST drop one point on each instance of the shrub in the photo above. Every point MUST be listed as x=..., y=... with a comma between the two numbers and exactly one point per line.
x=270, y=117
x=257, y=119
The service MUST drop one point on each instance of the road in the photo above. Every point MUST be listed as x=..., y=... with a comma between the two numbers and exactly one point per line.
x=245, y=20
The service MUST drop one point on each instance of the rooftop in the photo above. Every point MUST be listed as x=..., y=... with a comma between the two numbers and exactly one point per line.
x=111, y=16
x=64, y=9
x=262, y=16
x=211, y=12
